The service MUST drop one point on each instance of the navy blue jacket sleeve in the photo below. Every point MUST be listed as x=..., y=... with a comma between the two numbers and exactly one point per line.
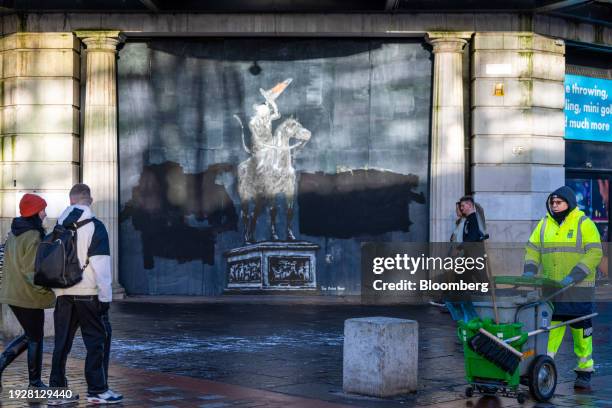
x=99, y=241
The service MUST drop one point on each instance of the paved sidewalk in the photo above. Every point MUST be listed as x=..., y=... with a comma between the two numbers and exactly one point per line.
x=146, y=388
x=224, y=355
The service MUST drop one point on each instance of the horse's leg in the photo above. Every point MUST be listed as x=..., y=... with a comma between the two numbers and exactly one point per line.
x=273, y=212
x=259, y=203
x=244, y=214
x=289, y=198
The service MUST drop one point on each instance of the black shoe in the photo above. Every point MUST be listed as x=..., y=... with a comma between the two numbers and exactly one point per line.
x=12, y=351
x=35, y=356
x=583, y=380
x=72, y=399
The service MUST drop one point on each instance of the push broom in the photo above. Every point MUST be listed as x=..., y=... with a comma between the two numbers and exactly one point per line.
x=489, y=346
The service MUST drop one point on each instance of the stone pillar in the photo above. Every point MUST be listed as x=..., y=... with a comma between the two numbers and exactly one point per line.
x=100, y=163
x=518, y=150
x=39, y=126
x=517, y=134
x=39, y=130
x=447, y=180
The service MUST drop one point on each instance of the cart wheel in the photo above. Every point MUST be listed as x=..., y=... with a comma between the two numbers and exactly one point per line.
x=542, y=378
x=469, y=392
x=521, y=398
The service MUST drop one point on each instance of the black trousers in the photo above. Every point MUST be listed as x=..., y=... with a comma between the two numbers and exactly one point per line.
x=32, y=321
x=72, y=312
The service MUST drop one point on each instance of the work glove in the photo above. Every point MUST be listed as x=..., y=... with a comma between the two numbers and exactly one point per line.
x=568, y=280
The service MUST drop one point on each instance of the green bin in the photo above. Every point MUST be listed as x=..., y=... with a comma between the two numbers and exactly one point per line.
x=479, y=370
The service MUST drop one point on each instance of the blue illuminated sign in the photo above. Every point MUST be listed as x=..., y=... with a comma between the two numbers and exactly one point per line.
x=588, y=108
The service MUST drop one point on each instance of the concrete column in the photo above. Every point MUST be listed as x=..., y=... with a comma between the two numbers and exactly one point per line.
x=447, y=175
x=517, y=134
x=518, y=150
x=100, y=163
x=39, y=129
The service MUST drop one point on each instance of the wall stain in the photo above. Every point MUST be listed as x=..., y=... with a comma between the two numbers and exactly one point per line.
x=180, y=215
x=357, y=202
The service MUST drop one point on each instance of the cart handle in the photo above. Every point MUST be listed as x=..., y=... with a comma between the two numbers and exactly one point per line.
x=542, y=301
x=549, y=328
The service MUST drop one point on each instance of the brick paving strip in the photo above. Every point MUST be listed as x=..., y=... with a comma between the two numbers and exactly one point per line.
x=144, y=388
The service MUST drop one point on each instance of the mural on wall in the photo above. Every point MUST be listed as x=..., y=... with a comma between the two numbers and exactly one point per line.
x=333, y=153
x=269, y=172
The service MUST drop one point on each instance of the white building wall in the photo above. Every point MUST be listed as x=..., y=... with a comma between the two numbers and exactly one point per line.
x=39, y=130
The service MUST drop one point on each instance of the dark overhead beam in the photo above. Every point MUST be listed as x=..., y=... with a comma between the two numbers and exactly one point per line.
x=582, y=19
x=559, y=5
x=151, y=5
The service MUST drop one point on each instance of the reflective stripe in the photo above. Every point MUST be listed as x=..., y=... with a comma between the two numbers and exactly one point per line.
x=550, y=354
x=534, y=263
x=542, y=230
x=583, y=268
x=563, y=249
x=579, y=232
x=532, y=246
x=584, y=359
x=592, y=245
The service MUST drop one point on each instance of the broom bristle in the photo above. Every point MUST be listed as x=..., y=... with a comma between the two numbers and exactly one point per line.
x=496, y=354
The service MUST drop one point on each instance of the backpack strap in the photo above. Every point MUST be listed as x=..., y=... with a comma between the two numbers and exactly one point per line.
x=78, y=225
x=84, y=222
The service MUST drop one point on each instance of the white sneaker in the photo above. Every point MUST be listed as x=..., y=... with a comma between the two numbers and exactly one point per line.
x=107, y=397
x=115, y=394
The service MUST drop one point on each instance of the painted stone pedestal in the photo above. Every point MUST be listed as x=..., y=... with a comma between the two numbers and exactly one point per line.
x=272, y=265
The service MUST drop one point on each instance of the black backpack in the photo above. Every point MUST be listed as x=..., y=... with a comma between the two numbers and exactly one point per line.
x=57, y=262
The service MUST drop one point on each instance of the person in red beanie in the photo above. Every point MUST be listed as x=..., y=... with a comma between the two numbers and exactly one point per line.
x=26, y=300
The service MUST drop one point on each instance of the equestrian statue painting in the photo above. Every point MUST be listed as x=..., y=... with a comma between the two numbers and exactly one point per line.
x=268, y=173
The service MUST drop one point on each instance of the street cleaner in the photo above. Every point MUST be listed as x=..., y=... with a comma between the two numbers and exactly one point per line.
x=567, y=247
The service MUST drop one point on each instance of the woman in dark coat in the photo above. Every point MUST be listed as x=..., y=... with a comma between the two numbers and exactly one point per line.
x=26, y=300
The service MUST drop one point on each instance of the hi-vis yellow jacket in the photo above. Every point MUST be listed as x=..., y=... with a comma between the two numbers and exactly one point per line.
x=572, y=248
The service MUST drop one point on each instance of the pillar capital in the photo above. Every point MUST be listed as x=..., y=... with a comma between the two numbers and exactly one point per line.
x=101, y=40
x=448, y=41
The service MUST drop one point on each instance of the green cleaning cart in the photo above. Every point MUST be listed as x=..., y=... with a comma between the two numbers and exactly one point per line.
x=524, y=324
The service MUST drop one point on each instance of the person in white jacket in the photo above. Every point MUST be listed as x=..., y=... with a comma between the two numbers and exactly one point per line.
x=85, y=304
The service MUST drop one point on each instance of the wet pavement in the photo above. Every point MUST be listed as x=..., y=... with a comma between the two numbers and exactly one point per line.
x=147, y=388
x=296, y=351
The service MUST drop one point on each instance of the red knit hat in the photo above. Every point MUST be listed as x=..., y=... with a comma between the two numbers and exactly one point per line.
x=31, y=204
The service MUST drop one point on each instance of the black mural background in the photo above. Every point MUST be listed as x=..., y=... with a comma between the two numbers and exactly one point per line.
x=362, y=177
x=351, y=204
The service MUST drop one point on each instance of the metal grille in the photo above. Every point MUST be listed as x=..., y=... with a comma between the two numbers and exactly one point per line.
x=588, y=71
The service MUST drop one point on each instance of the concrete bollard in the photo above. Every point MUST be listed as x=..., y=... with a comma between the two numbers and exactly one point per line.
x=11, y=327
x=380, y=356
